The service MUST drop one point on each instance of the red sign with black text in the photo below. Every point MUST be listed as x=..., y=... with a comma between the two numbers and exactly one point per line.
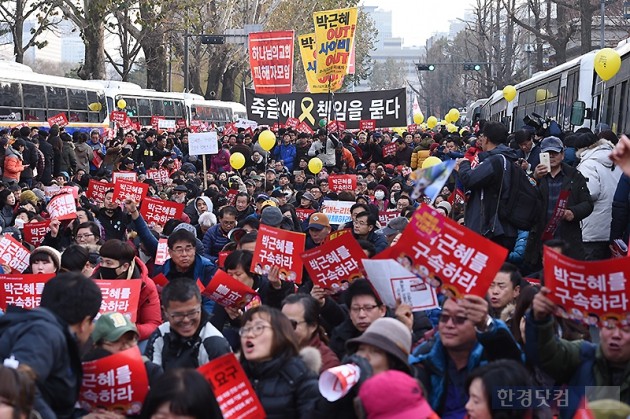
x=120, y=296
x=281, y=248
x=338, y=183
x=62, y=207
x=159, y=211
x=271, y=61
x=34, y=233
x=135, y=191
x=228, y=291
x=595, y=292
x=96, y=190
x=367, y=125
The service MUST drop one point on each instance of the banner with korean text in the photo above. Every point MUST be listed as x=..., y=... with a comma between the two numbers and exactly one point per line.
x=23, y=291
x=161, y=176
x=304, y=213
x=384, y=217
x=62, y=207
x=388, y=108
x=444, y=253
x=316, y=84
x=338, y=212
x=335, y=264
x=159, y=211
x=228, y=291
x=136, y=191
x=232, y=389
x=338, y=183
x=121, y=296
x=126, y=175
x=271, y=61
x=334, y=36
x=34, y=233
x=595, y=292
x=96, y=190
x=117, y=382
x=281, y=248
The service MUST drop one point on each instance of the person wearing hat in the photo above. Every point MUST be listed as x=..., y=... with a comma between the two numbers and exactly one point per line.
x=324, y=147
x=308, y=201
x=561, y=179
x=178, y=194
x=14, y=162
x=318, y=228
x=444, y=207
x=45, y=260
x=394, y=226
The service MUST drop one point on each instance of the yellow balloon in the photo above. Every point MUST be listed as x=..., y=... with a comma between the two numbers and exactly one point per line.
x=95, y=107
x=451, y=128
x=607, y=63
x=237, y=160
x=122, y=104
x=432, y=122
x=418, y=118
x=509, y=93
x=267, y=140
x=430, y=161
x=424, y=126
x=454, y=113
x=315, y=165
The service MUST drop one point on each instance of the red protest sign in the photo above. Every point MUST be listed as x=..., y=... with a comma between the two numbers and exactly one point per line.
x=124, y=175
x=160, y=280
x=159, y=211
x=62, y=207
x=304, y=128
x=181, y=123
x=231, y=388
x=121, y=296
x=231, y=196
x=367, y=124
x=271, y=61
x=155, y=121
x=412, y=127
x=116, y=382
x=96, y=190
x=556, y=217
x=338, y=233
x=229, y=129
x=130, y=190
x=292, y=122
x=389, y=150
x=24, y=291
x=336, y=126
x=161, y=255
x=338, y=183
x=228, y=291
x=221, y=259
x=119, y=117
x=304, y=213
x=34, y=233
x=281, y=248
x=60, y=119
x=591, y=292
x=335, y=263
x=386, y=216
x=435, y=247
x=50, y=191
x=160, y=176
x=74, y=190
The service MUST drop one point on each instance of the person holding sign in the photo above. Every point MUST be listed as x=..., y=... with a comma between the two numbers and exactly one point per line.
x=579, y=363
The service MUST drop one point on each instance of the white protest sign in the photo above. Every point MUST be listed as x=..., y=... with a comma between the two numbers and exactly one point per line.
x=246, y=123
x=166, y=124
x=338, y=212
x=200, y=143
x=392, y=281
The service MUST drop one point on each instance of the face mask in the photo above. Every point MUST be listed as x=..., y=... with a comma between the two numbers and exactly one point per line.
x=107, y=273
x=379, y=195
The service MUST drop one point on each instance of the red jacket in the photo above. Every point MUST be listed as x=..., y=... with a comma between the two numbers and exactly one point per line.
x=329, y=359
x=12, y=167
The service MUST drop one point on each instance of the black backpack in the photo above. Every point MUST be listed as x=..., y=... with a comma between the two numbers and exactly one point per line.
x=521, y=208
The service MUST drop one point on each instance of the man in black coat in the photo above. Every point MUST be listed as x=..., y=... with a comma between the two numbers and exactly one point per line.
x=47, y=150
x=30, y=157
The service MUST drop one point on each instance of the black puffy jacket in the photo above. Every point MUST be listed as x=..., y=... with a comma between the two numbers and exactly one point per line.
x=285, y=386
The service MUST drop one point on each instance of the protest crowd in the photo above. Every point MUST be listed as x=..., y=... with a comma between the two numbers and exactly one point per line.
x=337, y=274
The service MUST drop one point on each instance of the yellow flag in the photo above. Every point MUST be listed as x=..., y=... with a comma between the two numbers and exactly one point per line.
x=334, y=36
x=309, y=61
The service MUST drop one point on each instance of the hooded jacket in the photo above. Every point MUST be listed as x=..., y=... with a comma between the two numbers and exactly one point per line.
x=83, y=153
x=44, y=342
x=13, y=164
x=602, y=177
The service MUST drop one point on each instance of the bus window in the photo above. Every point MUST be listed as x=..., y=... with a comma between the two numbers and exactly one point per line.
x=144, y=108
x=57, y=98
x=132, y=107
x=78, y=100
x=169, y=108
x=157, y=107
x=34, y=114
x=179, y=109
x=10, y=95
x=33, y=96
x=95, y=97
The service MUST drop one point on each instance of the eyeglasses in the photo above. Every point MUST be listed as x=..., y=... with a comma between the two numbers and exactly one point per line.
x=613, y=325
x=457, y=320
x=83, y=236
x=367, y=309
x=181, y=316
x=296, y=323
x=228, y=222
x=361, y=223
x=255, y=330
x=183, y=250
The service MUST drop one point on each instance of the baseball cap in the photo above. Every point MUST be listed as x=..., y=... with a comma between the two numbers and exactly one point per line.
x=262, y=197
x=268, y=203
x=318, y=221
x=395, y=226
x=551, y=144
x=111, y=326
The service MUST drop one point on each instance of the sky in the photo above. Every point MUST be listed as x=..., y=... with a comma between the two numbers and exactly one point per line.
x=417, y=20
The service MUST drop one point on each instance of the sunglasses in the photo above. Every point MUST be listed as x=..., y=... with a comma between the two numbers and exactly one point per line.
x=457, y=320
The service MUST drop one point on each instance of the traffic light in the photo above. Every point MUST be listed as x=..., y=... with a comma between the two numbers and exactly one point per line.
x=425, y=67
x=472, y=67
x=212, y=39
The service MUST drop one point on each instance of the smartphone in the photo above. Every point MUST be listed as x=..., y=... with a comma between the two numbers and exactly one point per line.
x=544, y=159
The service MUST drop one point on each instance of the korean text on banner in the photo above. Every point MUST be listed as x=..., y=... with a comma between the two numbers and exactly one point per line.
x=281, y=248
x=159, y=211
x=120, y=296
x=62, y=207
x=96, y=190
x=334, y=36
x=384, y=217
x=134, y=191
x=271, y=61
x=592, y=292
x=367, y=125
x=161, y=255
x=309, y=62
x=304, y=213
x=125, y=175
x=116, y=382
x=232, y=389
x=335, y=264
x=389, y=149
x=160, y=176
x=201, y=143
x=338, y=212
x=23, y=291
x=60, y=120
x=338, y=183
x=229, y=292
x=34, y=233
x=393, y=282
x=445, y=253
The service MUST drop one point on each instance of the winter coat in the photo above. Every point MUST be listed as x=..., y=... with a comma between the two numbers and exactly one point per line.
x=220, y=162
x=30, y=159
x=602, y=176
x=620, y=225
x=43, y=341
x=213, y=242
x=83, y=153
x=329, y=359
x=149, y=314
x=171, y=350
x=115, y=226
x=285, y=386
x=47, y=150
x=326, y=153
x=13, y=164
x=340, y=334
x=403, y=156
x=68, y=162
x=286, y=153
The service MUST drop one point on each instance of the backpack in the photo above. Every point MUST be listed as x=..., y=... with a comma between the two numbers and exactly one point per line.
x=521, y=207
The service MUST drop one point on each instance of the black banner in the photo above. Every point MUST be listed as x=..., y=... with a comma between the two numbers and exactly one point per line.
x=387, y=107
